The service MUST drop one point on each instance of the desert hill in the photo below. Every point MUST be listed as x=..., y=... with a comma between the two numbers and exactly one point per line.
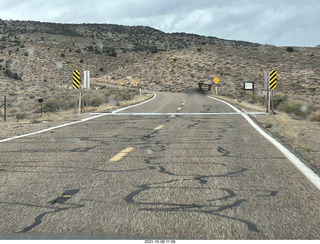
x=37, y=60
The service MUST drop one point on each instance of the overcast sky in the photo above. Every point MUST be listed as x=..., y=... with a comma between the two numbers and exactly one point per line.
x=277, y=22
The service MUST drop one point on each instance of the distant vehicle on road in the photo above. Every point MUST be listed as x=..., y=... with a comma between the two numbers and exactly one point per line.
x=204, y=86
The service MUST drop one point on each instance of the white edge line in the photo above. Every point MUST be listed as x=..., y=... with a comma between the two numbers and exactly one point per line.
x=51, y=128
x=160, y=114
x=72, y=123
x=313, y=177
x=121, y=109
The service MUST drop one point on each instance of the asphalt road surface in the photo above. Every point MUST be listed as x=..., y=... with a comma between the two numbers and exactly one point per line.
x=157, y=170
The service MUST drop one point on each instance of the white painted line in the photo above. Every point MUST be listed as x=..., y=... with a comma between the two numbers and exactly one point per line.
x=51, y=128
x=121, y=109
x=72, y=123
x=313, y=177
x=160, y=114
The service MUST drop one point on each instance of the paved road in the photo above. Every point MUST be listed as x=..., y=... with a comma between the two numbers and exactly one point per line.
x=209, y=176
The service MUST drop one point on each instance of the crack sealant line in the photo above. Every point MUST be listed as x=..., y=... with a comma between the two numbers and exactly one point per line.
x=72, y=123
x=312, y=176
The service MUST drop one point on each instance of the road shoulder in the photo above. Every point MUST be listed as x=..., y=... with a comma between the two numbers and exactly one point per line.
x=301, y=137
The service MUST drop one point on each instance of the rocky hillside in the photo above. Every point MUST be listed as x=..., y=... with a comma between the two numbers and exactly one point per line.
x=37, y=60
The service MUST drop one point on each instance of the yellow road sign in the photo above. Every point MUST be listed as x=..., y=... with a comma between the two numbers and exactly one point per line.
x=216, y=80
x=273, y=79
x=76, y=79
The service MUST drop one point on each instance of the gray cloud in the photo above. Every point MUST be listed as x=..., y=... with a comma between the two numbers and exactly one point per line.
x=278, y=22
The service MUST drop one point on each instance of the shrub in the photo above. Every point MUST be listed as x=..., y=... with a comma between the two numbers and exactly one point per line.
x=21, y=116
x=95, y=101
x=314, y=116
x=52, y=105
x=296, y=108
x=16, y=76
x=35, y=121
x=112, y=52
x=8, y=63
x=277, y=100
x=9, y=73
x=290, y=49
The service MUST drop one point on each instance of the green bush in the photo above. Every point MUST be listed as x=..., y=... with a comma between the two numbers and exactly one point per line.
x=296, y=108
x=21, y=116
x=277, y=100
x=53, y=105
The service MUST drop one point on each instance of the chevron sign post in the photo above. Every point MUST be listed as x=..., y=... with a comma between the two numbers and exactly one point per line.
x=272, y=87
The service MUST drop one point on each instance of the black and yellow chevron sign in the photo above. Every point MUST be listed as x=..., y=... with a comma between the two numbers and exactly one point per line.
x=76, y=79
x=273, y=79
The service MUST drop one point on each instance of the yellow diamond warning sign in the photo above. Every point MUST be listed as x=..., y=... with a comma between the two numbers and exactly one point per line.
x=216, y=80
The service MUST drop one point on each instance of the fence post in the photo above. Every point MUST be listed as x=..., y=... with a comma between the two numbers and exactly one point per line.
x=5, y=108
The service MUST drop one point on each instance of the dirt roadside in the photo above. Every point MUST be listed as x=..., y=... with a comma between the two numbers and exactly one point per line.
x=301, y=137
x=12, y=127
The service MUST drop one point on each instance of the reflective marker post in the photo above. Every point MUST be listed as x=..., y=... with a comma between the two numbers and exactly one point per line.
x=86, y=85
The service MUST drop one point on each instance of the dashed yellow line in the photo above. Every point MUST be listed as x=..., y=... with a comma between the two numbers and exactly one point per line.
x=173, y=116
x=121, y=154
x=158, y=127
x=179, y=108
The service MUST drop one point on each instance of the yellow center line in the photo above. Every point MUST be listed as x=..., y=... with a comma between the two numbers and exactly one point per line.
x=172, y=116
x=179, y=108
x=121, y=154
x=158, y=127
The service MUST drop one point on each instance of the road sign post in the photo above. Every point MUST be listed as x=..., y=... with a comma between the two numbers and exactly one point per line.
x=5, y=108
x=40, y=100
x=272, y=87
x=265, y=89
x=76, y=86
x=216, y=80
x=86, y=83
